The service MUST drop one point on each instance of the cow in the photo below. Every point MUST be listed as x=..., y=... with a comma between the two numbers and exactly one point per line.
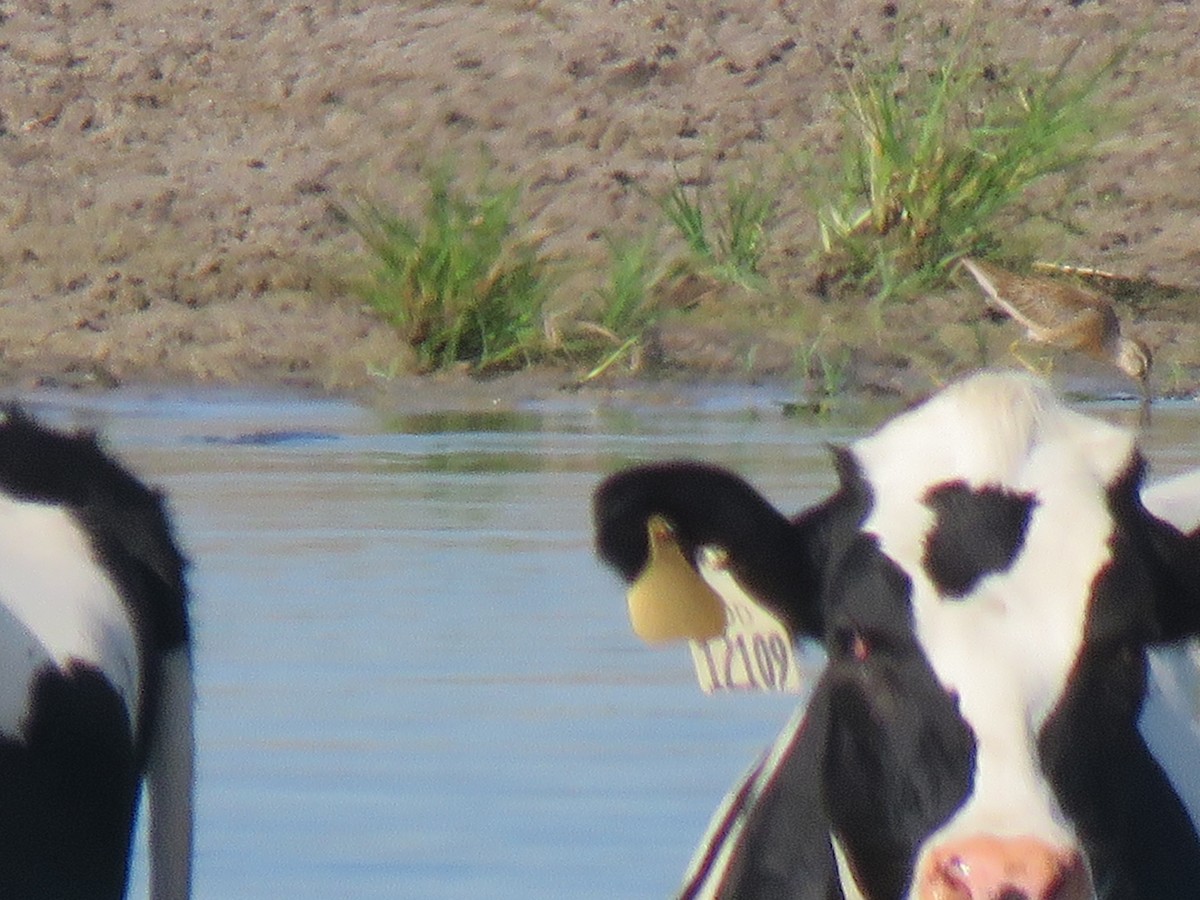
x=96, y=690
x=986, y=581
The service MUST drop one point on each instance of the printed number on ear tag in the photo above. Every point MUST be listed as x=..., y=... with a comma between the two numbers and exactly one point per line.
x=755, y=651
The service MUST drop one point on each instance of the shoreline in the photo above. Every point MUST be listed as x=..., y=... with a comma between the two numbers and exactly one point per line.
x=171, y=171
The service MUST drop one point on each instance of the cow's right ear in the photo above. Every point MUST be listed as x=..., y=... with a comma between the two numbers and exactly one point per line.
x=707, y=506
x=1162, y=520
x=1175, y=570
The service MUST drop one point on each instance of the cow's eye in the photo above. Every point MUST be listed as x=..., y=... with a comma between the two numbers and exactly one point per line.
x=850, y=643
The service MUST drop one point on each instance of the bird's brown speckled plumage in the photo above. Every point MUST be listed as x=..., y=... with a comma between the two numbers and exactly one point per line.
x=1063, y=315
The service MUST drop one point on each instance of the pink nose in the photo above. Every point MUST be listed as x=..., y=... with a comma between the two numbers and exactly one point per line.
x=995, y=868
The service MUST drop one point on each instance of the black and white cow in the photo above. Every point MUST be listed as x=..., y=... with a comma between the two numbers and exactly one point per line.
x=95, y=689
x=987, y=582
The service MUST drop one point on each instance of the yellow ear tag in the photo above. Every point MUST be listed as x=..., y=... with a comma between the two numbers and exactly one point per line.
x=669, y=601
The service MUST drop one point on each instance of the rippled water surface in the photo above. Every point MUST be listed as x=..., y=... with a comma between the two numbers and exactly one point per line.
x=414, y=680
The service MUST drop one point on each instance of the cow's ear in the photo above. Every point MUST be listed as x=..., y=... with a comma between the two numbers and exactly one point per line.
x=709, y=506
x=1172, y=552
x=1176, y=575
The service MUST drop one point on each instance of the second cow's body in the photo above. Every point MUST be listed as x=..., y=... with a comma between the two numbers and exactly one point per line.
x=96, y=686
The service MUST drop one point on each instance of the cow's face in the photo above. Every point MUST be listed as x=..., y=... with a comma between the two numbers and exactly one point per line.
x=986, y=583
x=987, y=623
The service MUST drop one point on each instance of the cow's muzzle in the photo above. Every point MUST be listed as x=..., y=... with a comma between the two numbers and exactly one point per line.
x=985, y=867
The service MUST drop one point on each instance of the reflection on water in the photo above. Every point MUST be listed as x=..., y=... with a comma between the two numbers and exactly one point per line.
x=414, y=679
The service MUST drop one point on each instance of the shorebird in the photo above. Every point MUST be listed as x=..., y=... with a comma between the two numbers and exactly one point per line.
x=1064, y=315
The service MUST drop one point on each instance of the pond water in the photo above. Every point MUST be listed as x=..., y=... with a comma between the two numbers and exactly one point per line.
x=414, y=680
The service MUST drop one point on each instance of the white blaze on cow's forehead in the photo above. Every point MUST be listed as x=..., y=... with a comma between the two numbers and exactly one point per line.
x=1008, y=647
x=57, y=606
x=998, y=430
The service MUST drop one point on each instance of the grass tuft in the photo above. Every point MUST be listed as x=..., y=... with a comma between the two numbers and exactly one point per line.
x=626, y=304
x=726, y=236
x=932, y=157
x=828, y=377
x=463, y=285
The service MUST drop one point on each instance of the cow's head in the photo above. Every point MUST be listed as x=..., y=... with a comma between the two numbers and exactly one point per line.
x=986, y=582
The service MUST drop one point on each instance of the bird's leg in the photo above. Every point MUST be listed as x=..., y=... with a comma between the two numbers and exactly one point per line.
x=1146, y=402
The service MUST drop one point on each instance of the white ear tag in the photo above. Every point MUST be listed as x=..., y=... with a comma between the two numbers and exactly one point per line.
x=755, y=651
x=669, y=601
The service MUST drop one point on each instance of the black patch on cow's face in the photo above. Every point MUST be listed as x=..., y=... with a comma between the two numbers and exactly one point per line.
x=899, y=758
x=977, y=531
x=1138, y=837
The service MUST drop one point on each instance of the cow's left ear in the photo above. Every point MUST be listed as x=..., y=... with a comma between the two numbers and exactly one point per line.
x=778, y=561
x=1161, y=522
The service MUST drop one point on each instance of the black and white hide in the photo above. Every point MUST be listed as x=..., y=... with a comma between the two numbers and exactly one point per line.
x=96, y=688
x=988, y=583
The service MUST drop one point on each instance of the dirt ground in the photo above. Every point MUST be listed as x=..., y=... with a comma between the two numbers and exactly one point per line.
x=169, y=168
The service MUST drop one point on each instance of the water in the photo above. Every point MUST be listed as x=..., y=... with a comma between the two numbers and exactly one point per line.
x=414, y=679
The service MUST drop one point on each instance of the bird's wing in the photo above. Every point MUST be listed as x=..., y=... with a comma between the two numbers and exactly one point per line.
x=995, y=296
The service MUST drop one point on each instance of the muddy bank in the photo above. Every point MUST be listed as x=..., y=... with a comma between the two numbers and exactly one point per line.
x=169, y=169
